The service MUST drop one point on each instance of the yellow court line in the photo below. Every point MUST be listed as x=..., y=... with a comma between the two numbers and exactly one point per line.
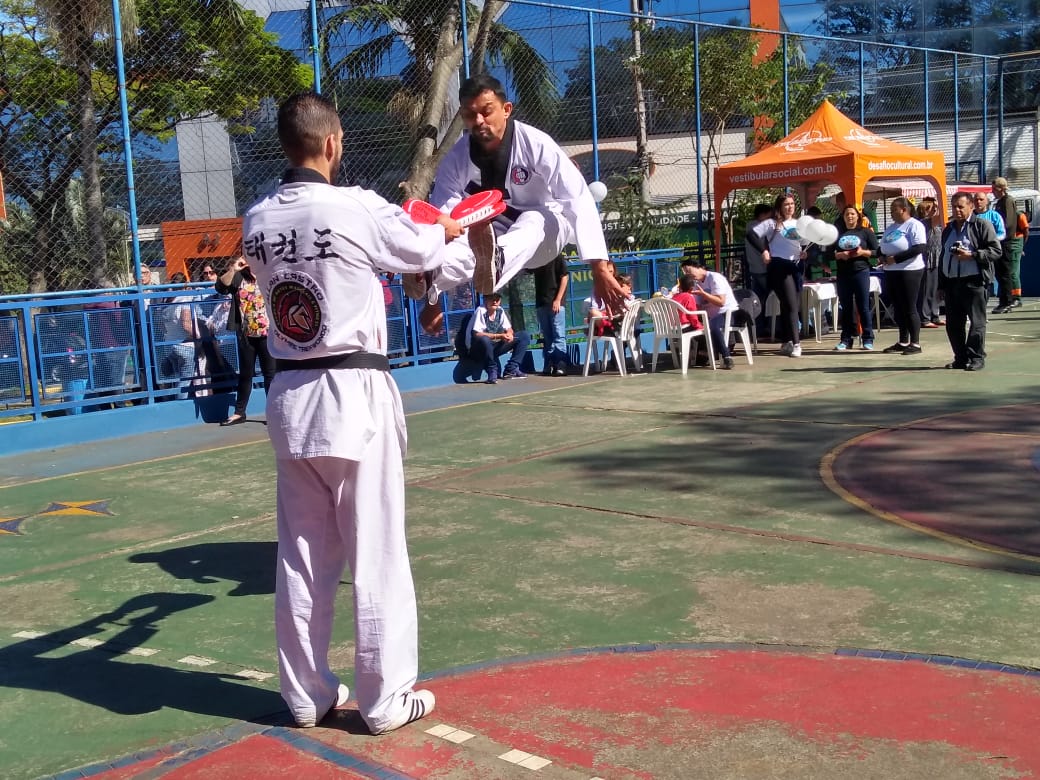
x=831, y=481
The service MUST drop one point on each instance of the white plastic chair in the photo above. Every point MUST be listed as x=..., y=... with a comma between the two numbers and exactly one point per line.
x=625, y=334
x=813, y=306
x=668, y=328
x=742, y=331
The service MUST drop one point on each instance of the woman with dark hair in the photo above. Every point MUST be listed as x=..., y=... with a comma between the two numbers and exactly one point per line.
x=903, y=247
x=248, y=318
x=782, y=257
x=853, y=255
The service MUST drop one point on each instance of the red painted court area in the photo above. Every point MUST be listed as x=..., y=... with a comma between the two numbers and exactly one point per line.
x=967, y=476
x=671, y=713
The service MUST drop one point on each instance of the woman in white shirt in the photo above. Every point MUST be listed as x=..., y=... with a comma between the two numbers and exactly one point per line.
x=785, y=279
x=902, y=255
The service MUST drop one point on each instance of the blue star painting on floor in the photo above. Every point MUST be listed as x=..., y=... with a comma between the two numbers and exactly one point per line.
x=94, y=508
x=11, y=525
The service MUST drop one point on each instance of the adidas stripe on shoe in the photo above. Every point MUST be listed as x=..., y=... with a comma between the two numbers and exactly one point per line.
x=416, y=705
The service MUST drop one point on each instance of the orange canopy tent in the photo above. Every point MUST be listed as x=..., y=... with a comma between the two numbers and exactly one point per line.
x=827, y=148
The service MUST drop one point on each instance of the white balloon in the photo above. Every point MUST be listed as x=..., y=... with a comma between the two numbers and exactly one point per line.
x=830, y=234
x=802, y=223
x=814, y=231
x=598, y=190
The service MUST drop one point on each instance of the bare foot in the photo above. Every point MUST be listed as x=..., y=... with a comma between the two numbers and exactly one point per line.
x=432, y=319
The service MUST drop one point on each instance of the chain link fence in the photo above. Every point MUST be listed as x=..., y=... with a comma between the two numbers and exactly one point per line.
x=647, y=105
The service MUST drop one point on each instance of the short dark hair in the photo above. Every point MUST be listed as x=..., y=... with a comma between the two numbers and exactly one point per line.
x=493, y=297
x=762, y=209
x=305, y=120
x=960, y=194
x=688, y=282
x=813, y=211
x=689, y=261
x=471, y=88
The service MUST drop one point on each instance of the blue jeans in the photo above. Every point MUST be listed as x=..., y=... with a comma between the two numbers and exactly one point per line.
x=854, y=291
x=483, y=350
x=554, y=335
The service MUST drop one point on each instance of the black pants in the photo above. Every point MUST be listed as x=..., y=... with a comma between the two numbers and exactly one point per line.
x=928, y=297
x=966, y=318
x=1002, y=269
x=786, y=281
x=902, y=290
x=248, y=349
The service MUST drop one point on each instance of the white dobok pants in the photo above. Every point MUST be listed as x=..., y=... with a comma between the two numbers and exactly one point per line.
x=533, y=240
x=334, y=513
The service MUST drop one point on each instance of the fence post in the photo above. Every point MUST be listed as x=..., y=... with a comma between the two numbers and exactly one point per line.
x=315, y=46
x=593, y=106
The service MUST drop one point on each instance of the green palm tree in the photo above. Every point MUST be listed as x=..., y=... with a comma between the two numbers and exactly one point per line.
x=431, y=30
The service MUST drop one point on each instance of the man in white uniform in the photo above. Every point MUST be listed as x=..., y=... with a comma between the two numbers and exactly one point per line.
x=549, y=204
x=335, y=420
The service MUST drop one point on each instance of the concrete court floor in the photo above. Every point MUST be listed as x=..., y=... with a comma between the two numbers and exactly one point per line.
x=741, y=508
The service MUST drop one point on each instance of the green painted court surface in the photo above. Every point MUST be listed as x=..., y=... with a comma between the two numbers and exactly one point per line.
x=856, y=500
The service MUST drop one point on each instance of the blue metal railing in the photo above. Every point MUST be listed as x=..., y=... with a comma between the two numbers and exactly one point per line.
x=65, y=353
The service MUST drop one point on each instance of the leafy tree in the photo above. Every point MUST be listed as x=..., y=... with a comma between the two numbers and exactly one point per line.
x=180, y=65
x=736, y=86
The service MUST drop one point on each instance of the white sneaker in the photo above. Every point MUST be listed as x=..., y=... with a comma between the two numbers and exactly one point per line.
x=796, y=350
x=342, y=697
x=416, y=705
x=486, y=255
x=786, y=348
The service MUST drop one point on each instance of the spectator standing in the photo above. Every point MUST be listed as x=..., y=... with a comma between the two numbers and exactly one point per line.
x=903, y=247
x=852, y=255
x=550, y=291
x=970, y=249
x=1009, y=268
x=928, y=297
x=782, y=257
x=248, y=318
x=755, y=242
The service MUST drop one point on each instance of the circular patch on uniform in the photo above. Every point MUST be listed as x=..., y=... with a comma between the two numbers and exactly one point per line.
x=849, y=241
x=520, y=175
x=296, y=309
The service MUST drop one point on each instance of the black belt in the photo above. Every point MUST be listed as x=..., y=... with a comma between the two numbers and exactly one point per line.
x=349, y=360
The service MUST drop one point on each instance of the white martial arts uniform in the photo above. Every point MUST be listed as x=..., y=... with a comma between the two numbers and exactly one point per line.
x=339, y=437
x=555, y=205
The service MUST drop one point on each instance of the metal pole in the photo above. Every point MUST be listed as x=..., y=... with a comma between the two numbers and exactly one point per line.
x=594, y=107
x=928, y=107
x=956, y=120
x=862, y=86
x=698, y=151
x=465, y=38
x=131, y=190
x=1000, y=116
x=642, y=150
x=315, y=46
x=787, y=109
x=985, y=120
